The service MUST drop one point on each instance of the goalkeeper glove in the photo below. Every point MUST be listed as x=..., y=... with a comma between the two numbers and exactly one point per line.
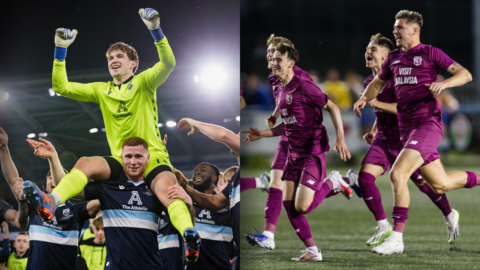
x=63, y=38
x=152, y=21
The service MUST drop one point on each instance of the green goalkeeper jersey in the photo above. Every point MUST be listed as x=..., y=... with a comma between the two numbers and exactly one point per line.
x=129, y=111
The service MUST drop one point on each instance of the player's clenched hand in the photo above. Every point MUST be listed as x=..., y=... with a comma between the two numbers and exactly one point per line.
x=341, y=146
x=270, y=121
x=181, y=179
x=360, y=104
x=42, y=148
x=186, y=124
x=18, y=188
x=368, y=137
x=150, y=17
x=177, y=192
x=64, y=37
x=3, y=138
x=436, y=88
x=254, y=134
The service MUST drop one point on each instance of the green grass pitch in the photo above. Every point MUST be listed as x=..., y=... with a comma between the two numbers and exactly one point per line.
x=341, y=227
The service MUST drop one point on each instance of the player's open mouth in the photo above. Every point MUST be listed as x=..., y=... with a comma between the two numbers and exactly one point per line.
x=198, y=179
x=115, y=67
x=369, y=58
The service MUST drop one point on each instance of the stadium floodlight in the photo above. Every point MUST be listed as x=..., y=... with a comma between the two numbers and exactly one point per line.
x=51, y=92
x=196, y=79
x=103, y=129
x=44, y=134
x=93, y=130
x=4, y=96
x=227, y=120
x=237, y=118
x=171, y=124
x=213, y=77
x=31, y=135
x=160, y=125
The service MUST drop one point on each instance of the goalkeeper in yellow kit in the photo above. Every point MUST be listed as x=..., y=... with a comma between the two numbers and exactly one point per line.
x=128, y=105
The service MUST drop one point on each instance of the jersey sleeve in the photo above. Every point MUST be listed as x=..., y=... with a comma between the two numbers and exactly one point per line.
x=93, y=191
x=85, y=92
x=81, y=211
x=228, y=190
x=440, y=59
x=158, y=74
x=385, y=73
x=313, y=95
x=4, y=207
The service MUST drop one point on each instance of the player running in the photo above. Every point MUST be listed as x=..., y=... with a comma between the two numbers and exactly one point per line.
x=413, y=71
x=53, y=244
x=301, y=103
x=385, y=146
x=128, y=105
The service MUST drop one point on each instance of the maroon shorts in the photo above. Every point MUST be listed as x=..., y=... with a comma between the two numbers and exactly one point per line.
x=425, y=139
x=281, y=156
x=380, y=155
x=308, y=171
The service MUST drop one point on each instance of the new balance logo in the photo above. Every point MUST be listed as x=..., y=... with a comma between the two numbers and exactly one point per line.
x=398, y=61
x=311, y=182
x=121, y=187
x=414, y=142
x=368, y=199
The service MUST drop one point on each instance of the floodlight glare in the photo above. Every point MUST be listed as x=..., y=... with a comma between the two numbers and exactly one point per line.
x=93, y=130
x=196, y=79
x=44, y=134
x=213, y=77
x=31, y=135
x=160, y=125
x=51, y=92
x=171, y=124
x=237, y=118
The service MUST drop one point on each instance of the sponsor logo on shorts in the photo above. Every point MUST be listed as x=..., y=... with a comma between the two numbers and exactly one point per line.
x=398, y=61
x=417, y=60
x=414, y=142
x=311, y=182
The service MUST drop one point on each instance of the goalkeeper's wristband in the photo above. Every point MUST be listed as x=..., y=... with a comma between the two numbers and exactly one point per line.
x=157, y=34
x=60, y=53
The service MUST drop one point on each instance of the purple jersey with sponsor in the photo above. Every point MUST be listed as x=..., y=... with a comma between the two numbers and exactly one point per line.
x=410, y=71
x=388, y=134
x=277, y=85
x=300, y=104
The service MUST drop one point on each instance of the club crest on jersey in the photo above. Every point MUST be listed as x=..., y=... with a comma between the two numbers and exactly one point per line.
x=121, y=186
x=289, y=99
x=66, y=211
x=417, y=60
x=130, y=87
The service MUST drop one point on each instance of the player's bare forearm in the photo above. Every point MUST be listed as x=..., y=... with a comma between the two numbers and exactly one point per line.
x=23, y=214
x=386, y=107
x=220, y=134
x=56, y=168
x=278, y=130
x=276, y=112
x=336, y=118
x=460, y=76
x=374, y=127
x=3, y=267
x=213, y=203
x=8, y=167
x=12, y=217
x=373, y=89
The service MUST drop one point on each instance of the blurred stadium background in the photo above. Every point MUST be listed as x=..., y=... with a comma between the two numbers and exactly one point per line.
x=204, y=36
x=331, y=37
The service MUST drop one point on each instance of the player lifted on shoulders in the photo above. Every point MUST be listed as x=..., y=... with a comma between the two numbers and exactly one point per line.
x=128, y=105
x=385, y=146
x=413, y=70
x=301, y=103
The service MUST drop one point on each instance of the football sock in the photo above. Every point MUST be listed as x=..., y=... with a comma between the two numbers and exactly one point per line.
x=247, y=183
x=396, y=236
x=399, y=215
x=70, y=185
x=259, y=183
x=273, y=208
x=440, y=200
x=299, y=224
x=383, y=223
x=180, y=216
x=473, y=179
x=371, y=195
x=320, y=195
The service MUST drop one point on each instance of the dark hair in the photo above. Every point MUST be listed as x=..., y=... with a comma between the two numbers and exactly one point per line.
x=215, y=168
x=411, y=16
x=382, y=41
x=291, y=52
x=50, y=172
x=134, y=141
x=129, y=50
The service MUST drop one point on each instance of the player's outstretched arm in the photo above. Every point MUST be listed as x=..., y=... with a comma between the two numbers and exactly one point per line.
x=60, y=84
x=214, y=132
x=460, y=77
x=8, y=167
x=159, y=73
x=255, y=134
x=93, y=207
x=45, y=149
x=181, y=194
x=340, y=145
x=213, y=203
x=370, y=93
x=384, y=106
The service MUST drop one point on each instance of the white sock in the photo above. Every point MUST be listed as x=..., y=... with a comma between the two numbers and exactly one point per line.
x=313, y=249
x=57, y=198
x=259, y=183
x=450, y=217
x=268, y=234
x=396, y=236
x=383, y=223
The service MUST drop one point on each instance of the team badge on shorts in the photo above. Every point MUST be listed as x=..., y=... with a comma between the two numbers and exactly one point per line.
x=417, y=60
x=289, y=99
